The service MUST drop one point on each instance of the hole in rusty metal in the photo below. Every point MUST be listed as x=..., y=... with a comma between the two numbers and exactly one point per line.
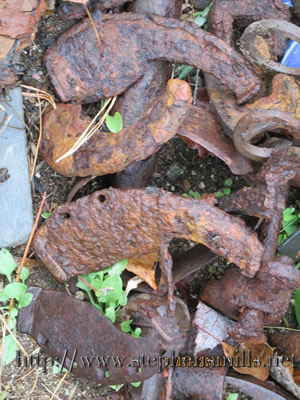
x=66, y=215
x=102, y=198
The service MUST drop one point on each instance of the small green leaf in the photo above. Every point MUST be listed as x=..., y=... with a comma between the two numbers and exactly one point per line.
x=298, y=265
x=3, y=297
x=185, y=195
x=288, y=214
x=107, y=374
x=25, y=300
x=110, y=313
x=56, y=368
x=117, y=268
x=233, y=396
x=125, y=326
x=24, y=274
x=9, y=350
x=196, y=195
x=15, y=290
x=228, y=182
x=7, y=263
x=115, y=123
x=297, y=305
x=116, y=387
x=219, y=194
x=135, y=384
x=46, y=215
x=122, y=298
x=186, y=70
x=227, y=191
x=137, y=333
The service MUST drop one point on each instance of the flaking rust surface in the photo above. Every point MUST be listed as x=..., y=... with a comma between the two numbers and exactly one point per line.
x=66, y=328
x=80, y=73
x=106, y=152
x=98, y=230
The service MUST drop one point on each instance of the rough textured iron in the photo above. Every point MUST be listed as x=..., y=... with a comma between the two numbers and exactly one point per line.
x=65, y=327
x=106, y=153
x=224, y=13
x=253, y=124
x=142, y=95
x=255, y=302
x=267, y=197
x=263, y=28
x=98, y=230
x=130, y=41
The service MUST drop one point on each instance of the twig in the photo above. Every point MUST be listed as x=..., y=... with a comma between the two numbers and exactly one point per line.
x=59, y=384
x=22, y=263
x=13, y=336
x=39, y=139
x=94, y=28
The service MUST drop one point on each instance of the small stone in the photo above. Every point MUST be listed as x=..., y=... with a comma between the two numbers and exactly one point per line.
x=15, y=192
x=201, y=185
x=194, y=173
x=173, y=173
x=173, y=188
x=186, y=186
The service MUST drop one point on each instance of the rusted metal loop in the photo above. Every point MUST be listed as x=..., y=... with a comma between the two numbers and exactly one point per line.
x=252, y=124
x=267, y=27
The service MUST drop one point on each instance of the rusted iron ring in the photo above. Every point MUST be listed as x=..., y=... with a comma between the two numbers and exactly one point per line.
x=266, y=27
x=253, y=124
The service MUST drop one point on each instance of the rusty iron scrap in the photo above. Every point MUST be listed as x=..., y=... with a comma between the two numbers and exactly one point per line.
x=265, y=28
x=226, y=12
x=98, y=230
x=254, y=302
x=60, y=323
x=201, y=126
x=80, y=73
x=253, y=124
x=267, y=198
x=106, y=152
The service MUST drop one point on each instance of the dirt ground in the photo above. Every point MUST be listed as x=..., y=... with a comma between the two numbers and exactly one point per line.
x=178, y=170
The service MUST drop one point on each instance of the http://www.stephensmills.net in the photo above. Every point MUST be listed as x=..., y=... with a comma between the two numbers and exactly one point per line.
x=71, y=360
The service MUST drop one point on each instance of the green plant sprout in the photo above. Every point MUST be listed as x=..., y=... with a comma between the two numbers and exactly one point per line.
x=191, y=193
x=13, y=290
x=114, y=123
x=233, y=396
x=225, y=191
x=46, y=215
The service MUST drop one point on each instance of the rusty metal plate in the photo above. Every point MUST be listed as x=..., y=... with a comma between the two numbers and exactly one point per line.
x=106, y=152
x=201, y=126
x=287, y=343
x=98, y=230
x=80, y=73
x=72, y=330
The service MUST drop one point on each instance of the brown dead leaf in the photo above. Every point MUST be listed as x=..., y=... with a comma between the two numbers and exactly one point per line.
x=296, y=376
x=252, y=359
x=144, y=268
x=6, y=44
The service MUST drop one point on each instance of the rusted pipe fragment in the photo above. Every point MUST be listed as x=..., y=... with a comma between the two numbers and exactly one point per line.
x=61, y=325
x=253, y=124
x=247, y=300
x=98, y=230
x=256, y=388
x=200, y=126
x=106, y=153
x=265, y=28
x=225, y=12
x=130, y=41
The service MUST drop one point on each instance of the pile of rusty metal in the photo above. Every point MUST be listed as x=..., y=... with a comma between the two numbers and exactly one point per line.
x=249, y=93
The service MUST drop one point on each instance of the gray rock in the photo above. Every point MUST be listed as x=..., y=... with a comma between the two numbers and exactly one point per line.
x=16, y=217
x=173, y=173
